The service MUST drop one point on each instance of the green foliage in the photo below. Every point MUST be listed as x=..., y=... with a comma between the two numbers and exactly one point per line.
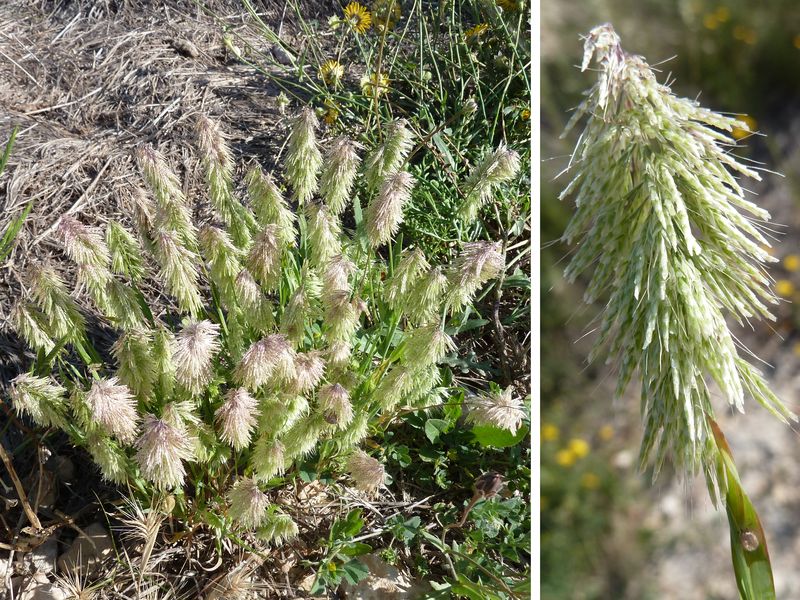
x=8, y=235
x=340, y=562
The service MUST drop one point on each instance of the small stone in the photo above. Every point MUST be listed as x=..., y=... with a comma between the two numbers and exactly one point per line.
x=280, y=55
x=39, y=587
x=185, y=48
x=87, y=551
x=384, y=582
x=44, y=557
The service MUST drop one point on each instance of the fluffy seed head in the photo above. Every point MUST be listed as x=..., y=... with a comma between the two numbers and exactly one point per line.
x=303, y=159
x=302, y=437
x=193, y=354
x=83, y=244
x=109, y=456
x=426, y=346
x=385, y=213
x=498, y=409
x=39, y=398
x=162, y=180
x=387, y=158
x=341, y=316
x=496, y=168
x=422, y=303
x=270, y=357
x=179, y=270
x=404, y=276
x=237, y=417
x=339, y=174
x=309, y=368
x=667, y=289
x=339, y=354
x=337, y=273
x=269, y=205
x=114, y=408
x=31, y=325
x=278, y=527
x=268, y=458
x=162, y=448
x=324, y=231
x=367, y=473
x=334, y=401
x=133, y=352
x=264, y=259
x=478, y=263
x=126, y=252
x=50, y=294
x=248, y=503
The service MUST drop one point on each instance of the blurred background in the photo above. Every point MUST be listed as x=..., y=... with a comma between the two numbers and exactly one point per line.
x=606, y=531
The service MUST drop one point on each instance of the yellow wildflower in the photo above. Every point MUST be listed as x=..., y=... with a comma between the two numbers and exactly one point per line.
x=747, y=35
x=579, y=447
x=330, y=115
x=507, y=5
x=358, y=17
x=525, y=114
x=796, y=41
x=606, y=432
x=791, y=262
x=474, y=33
x=549, y=432
x=590, y=481
x=565, y=458
x=750, y=126
x=722, y=14
x=784, y=288
x=386, y=14
x=710, y=21
x=331, y=72
x=374, y=84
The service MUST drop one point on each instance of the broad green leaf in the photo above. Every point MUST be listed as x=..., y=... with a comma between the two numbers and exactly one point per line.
x=354, y=571
x=434, y=429
x=494, y=437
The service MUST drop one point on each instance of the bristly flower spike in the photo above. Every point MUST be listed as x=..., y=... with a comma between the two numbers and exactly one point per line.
x=387, y=158
x=218, y=165
x=339, y=174
x=478, y=263
x=40, y=398
x=269, y=204
x=496, y=168
x=303, y=159
x=237, y=418
x=650, y=171
x=385, y=213
x=83, y=244
x=193, y=355
x=114, y=408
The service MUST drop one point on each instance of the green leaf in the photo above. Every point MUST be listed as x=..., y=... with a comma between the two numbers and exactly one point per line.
x=749, y=552
x=434, y=428
x=354, y=571
x=347, y=527
x=473, y=590
x=494, y=437
x=440, y=144
x=355, y=549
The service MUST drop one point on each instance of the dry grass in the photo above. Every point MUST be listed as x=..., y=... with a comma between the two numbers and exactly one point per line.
x=86, y=82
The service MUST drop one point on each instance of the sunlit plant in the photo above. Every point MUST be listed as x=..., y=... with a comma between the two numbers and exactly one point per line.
x=667, y=237
x=293, y=333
